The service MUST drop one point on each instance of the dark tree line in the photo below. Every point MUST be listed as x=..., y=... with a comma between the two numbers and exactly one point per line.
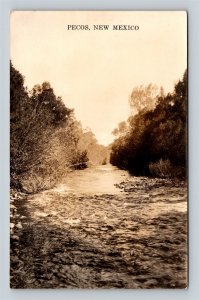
x=153, y=141
x=43, y=139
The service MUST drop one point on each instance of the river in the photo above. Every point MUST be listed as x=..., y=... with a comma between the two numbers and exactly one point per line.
x=94, y=180
x=102, y=228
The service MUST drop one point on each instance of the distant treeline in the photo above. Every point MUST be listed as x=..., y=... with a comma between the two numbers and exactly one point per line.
x=153, y=141
x=45, y=138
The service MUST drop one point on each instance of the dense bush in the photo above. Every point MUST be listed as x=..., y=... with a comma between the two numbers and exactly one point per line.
x=43, y=137
x=154, y=140
x=161, y=168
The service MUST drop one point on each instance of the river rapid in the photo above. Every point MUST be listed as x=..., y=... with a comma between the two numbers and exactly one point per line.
x=101, y=228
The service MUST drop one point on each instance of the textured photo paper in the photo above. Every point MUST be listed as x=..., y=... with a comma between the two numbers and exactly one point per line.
x=98, y=139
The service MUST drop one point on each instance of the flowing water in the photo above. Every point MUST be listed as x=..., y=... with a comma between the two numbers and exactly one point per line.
x=102, y=228
x=96, y=180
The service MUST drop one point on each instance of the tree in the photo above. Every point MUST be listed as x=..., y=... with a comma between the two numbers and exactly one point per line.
x=97, y=154
x=35, y=123
x=143, y=97
x=121, y=129
x=44, y=136
x=155, y=134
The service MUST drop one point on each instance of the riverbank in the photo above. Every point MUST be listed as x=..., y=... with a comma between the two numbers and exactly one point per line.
x=134, y=239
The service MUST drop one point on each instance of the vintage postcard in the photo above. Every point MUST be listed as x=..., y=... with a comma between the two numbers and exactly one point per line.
x=98, y=149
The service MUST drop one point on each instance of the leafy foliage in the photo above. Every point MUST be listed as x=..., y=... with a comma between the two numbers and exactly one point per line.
x=155, y=137
x=43, y=137
x=97, y=154
x=143, y=97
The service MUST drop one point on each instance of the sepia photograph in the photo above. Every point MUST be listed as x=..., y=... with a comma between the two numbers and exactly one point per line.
x=98, y=150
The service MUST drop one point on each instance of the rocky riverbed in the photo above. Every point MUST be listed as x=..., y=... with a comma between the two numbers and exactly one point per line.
x=136, y=238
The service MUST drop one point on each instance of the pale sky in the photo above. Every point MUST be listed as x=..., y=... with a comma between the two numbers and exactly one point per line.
x=95, y=71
